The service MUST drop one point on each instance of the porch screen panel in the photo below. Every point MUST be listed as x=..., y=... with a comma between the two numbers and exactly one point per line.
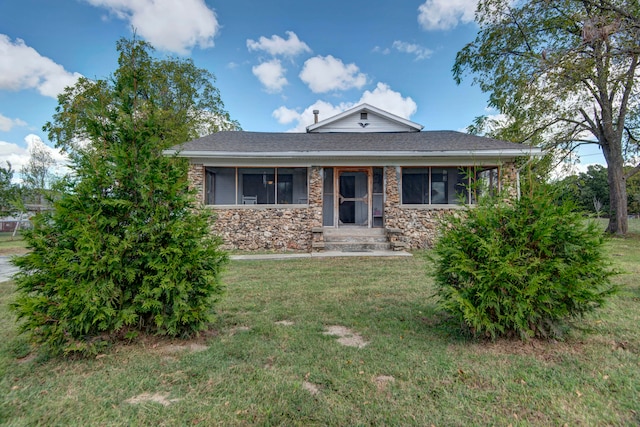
x=439, y=186
x=361, y=205
x=377, y=199
x=220, y=186
x=415, y=186
x=486, y=181
x=447, y=186
x=327, y=198
x=292, y=185
x=256, y=186
x=461, y=186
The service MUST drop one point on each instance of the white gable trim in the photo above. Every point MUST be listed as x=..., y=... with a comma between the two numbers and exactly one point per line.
x=366, y=108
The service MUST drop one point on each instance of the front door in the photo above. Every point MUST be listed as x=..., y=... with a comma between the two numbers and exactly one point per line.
x=353, y=197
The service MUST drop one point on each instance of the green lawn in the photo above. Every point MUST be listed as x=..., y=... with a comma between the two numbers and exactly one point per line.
x=252, y=369
x=10, y=245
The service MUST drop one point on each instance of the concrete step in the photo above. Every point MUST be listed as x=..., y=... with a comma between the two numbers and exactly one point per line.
x=352, y=239
x=369, y=235
x=356, y=246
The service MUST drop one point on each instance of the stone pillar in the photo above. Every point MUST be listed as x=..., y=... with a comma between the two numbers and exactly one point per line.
x=195, y=177
x=392, y=189
x=315, y=196
x=509, y=178
x=315, y=187
x=392, y=211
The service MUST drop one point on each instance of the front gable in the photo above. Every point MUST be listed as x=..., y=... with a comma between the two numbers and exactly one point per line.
x=364, y=119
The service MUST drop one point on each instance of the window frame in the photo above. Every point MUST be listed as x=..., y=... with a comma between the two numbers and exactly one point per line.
x=254, y=200
x=470, y=173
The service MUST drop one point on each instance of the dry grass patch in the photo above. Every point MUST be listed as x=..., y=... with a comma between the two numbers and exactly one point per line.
x=382, y=381
x=346, y=336
x=160, y=398
x=314, y=389
x=547, y=351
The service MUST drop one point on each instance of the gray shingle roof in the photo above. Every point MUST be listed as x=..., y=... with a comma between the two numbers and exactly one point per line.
x=266, y=142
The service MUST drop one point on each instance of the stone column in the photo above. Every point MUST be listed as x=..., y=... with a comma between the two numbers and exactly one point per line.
x=392, y=211
x=509, y=178
x=195, y=177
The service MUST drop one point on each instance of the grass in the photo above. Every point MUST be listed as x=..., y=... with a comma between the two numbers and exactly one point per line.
x=415, y=370
x=10, y=245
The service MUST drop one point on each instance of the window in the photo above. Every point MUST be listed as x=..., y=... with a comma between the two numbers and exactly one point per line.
x=487, y=180
x=327, y=198
x=415, y=186
x=251, y=186
x=363, y=116
x=442, y=186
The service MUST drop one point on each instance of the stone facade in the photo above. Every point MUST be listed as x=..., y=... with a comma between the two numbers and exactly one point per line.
x=264, y=228
x=408, y=227
x=196, y=181
x=417, y=227
x=299, y=228
x=261, y=227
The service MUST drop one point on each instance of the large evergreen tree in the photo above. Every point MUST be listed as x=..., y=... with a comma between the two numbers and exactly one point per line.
x=125, y=248
x=565, y=72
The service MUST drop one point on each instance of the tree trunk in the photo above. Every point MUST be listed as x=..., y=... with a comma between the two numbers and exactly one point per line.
x=618, y=220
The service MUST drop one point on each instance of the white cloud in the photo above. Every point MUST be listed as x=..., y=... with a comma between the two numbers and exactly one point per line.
x=175, y=26
x=13, y=154
x=19, y=156
x=383, y=51
x=393, y=102
x=22, y=67
x=420, y=52
x=446, y=14
x=271, y=75
x=276, y=45
x=326, y=73
x=286, y=115
x=6, y=124
x=382, y=97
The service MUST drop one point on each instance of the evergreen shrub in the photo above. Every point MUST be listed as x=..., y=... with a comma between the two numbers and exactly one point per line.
x=125, y=248
x=520, y=267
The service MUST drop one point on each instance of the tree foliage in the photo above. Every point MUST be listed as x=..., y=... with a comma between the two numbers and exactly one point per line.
x=37, y=175
x=563, y=73
x=589, y=188
x=8, y=189
x=522, y=267
x=125, y=247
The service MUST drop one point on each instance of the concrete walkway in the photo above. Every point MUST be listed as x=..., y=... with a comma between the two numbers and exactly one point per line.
x=327, y=254
x=7, y=270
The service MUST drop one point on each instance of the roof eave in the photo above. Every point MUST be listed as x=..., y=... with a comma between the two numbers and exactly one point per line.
x=195, y=154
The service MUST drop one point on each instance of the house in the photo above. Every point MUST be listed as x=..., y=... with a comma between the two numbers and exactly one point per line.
x=362, y=171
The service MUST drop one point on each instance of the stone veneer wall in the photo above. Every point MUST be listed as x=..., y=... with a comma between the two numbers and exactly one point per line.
x=509, y=178
x=415, y=227
x=262, y=227
x=195, y=175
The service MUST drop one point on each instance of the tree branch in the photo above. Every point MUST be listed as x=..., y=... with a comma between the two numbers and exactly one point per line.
x=632, y=172
x=624, y=103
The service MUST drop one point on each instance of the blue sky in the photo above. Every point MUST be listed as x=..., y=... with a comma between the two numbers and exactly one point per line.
x=275, y=61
